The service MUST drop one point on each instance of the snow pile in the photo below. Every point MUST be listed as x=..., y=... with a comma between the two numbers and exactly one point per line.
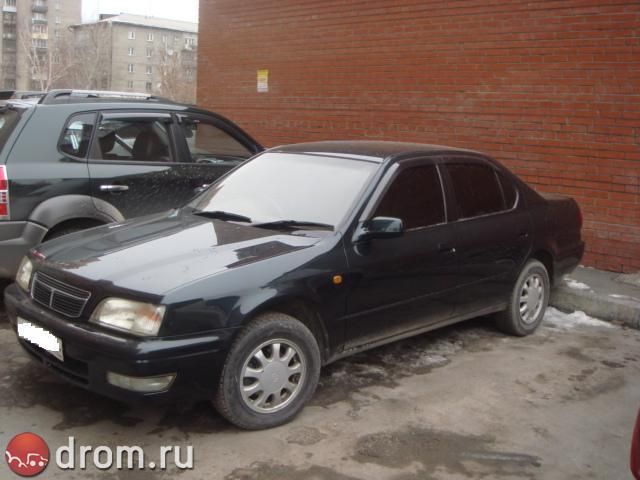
x=568, y=321
x=577, y=285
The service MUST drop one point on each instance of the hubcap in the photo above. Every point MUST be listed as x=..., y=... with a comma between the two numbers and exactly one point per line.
x=272, y=376
x=531, y=298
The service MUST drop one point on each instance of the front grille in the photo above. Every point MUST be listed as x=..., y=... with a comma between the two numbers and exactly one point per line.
x=58, y=296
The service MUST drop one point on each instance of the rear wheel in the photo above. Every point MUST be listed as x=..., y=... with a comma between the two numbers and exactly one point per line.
x=528, y=301
x=271, y=372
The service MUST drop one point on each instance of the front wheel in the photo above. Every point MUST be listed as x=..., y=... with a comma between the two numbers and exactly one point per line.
x=271, y=371
x=528, y=301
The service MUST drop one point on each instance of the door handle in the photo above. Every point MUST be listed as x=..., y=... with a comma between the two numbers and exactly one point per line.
x=114, y=188
x=202, y=188
x=448, y=249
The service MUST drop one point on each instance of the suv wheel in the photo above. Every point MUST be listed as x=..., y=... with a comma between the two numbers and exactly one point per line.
x=271, y=372
x=528, y=301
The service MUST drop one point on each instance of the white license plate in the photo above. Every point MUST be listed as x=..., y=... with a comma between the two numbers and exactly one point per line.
x=40, y=337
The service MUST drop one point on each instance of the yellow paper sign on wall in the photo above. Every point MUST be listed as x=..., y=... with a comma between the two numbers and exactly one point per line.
x=263, y=80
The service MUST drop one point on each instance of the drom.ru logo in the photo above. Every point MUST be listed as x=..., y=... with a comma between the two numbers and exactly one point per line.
x=27, y=454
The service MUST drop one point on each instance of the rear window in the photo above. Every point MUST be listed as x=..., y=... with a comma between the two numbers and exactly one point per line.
x=9, y=118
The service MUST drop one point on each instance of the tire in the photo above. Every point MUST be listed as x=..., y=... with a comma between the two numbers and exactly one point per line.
x=285, y=385
x=533, y=279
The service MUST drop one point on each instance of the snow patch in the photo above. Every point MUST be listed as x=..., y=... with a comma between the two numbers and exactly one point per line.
x=567, y=321
x=577, y=285
x=623, y=297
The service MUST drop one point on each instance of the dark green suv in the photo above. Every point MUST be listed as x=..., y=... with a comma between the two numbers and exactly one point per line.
x=79, y=159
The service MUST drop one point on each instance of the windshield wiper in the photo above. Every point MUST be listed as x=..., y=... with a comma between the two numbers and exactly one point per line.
x=292, y=224
x=220, y=215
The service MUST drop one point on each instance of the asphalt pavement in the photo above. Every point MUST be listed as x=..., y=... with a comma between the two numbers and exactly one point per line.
x=463, y=402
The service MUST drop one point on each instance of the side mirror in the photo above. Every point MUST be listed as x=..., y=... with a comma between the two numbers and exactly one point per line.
x=380, y=227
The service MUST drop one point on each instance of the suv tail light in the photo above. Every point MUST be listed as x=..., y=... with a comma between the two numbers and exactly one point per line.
x=4, y=193
x=635, y=450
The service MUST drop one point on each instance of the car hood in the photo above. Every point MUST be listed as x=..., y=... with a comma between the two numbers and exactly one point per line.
x=159, y=253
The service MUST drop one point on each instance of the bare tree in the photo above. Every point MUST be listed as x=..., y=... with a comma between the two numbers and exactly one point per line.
x=49, y=60
x=93, y=48
x=177, y=71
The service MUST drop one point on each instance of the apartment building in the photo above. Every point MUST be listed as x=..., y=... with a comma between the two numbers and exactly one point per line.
x=142, y=54
x=32, y=31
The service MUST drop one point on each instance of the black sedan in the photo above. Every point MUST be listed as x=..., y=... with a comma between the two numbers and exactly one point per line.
x=303, y=255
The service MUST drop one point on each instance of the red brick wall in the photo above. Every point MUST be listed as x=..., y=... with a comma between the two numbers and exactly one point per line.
x=550, y=88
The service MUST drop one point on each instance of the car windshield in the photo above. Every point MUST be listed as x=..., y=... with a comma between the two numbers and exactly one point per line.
x=8, y=120
x=290, y=187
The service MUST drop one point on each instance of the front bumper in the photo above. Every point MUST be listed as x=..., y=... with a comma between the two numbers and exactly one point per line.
x=90, y=352
x=16, y=238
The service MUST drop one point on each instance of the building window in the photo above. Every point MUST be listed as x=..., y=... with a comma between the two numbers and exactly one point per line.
x=38, y=43
x=131, y=51
x=149, y=86
x=130, y=68
x=149, y=52
x=149, y=37
x=132, y=35
x=149, y=69
x=58, y=20
x=9, y=3
x=130, y=84
x=164, y=39
x=190, y=41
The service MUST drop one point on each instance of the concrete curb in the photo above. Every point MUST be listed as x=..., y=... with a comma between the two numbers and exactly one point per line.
x=600, y=295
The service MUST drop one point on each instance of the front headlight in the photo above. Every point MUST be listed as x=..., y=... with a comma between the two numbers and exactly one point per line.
x=133, y=317
x=25, y=270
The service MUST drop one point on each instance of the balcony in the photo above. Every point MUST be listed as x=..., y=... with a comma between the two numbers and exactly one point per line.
x=9, y=8
x=39, y=21
x=39, y=7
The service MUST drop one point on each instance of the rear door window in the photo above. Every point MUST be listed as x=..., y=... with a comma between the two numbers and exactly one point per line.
x=476, y=189
x=144, y=139
x=76, y=137
x=509, y=191
x=415, y=196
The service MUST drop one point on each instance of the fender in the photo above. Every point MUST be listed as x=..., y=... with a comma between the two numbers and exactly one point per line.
x=263, y=300
x=59, y=209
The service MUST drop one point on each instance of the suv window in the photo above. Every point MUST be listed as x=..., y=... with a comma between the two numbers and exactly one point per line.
x=476, y=189
x=77, y=135
x=416, y=197
x=9, y=118
x=208, y=143
x=142, y=140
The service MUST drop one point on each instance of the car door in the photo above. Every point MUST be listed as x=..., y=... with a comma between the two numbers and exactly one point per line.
x=400, y=284
x=492, y=230
x=208, y=147
x=133, y=163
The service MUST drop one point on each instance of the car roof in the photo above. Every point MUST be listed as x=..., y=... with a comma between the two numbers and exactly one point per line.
x=371, y=150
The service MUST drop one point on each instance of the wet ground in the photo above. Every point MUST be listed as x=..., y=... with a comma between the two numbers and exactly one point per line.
x=463, y=402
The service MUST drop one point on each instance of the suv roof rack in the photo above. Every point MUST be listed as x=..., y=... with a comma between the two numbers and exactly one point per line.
x=72, y=96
